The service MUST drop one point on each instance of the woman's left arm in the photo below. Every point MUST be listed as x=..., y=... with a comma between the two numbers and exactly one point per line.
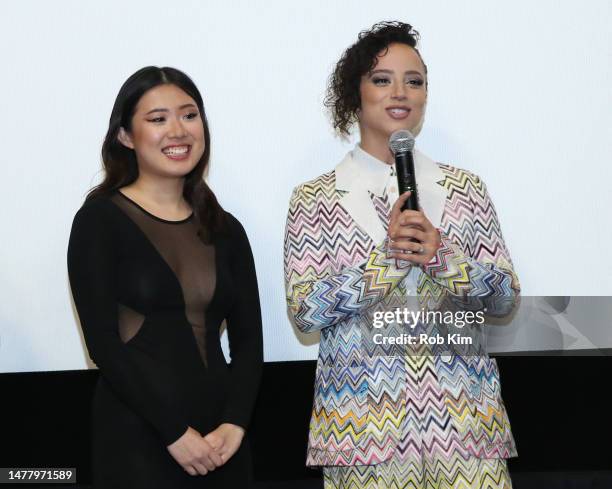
x=243, y=331
x=477, y=274
x=485, y=273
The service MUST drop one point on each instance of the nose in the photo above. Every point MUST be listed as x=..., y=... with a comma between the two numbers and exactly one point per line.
x=398, y=91
x=176, y=128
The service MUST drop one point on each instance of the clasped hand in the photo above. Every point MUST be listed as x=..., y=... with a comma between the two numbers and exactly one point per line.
x=199, y=454
x=412, y=237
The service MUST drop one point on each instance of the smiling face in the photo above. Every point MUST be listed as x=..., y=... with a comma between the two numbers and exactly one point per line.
x=167, y=133
x=393, y=94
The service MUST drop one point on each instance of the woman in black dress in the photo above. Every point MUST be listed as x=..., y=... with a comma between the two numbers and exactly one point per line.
x=155, y=267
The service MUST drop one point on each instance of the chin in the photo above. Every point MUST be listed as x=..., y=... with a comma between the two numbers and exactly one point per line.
x=400, y=127
x=176, y=172
x=404, y=125
x=414, y=129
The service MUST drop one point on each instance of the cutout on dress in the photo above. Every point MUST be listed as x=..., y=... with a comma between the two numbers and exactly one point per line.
x=130, y=322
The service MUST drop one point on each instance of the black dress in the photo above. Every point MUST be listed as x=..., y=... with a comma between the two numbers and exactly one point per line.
x=152, y=297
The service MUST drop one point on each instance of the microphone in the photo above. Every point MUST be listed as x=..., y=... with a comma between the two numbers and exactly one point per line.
x=401, y=144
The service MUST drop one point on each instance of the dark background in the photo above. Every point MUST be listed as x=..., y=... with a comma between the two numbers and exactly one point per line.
x=558, y=406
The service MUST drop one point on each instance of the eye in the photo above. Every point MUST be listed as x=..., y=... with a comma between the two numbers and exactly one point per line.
x=380, y=81
x=191, y=116
x=157, y=119
x=415, y=82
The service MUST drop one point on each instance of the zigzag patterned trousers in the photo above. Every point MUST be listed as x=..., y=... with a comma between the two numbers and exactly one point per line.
x=439, y=473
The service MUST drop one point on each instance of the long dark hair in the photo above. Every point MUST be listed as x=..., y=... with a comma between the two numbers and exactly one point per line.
x=119, y=162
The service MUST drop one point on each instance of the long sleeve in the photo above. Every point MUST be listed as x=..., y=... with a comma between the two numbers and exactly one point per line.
x=316, y=297
x=477, y=273
x=244, y=332
x=92, y=264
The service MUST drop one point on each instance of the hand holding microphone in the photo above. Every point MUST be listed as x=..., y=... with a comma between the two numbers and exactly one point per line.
x=412, y=237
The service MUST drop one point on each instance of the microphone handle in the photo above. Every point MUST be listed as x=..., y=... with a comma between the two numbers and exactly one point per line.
x=404, y=166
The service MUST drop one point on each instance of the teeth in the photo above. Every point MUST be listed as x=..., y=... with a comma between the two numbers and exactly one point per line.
x=398, y=111
x=177, y=150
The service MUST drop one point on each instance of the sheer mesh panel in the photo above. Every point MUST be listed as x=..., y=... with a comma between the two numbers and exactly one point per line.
x=130, y=323
x=191, y=260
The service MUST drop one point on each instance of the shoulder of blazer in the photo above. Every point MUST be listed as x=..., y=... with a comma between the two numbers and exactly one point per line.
x=460, y=180
x=321, y=189
x=321, y=186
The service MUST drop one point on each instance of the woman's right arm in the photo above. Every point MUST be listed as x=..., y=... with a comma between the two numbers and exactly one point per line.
x=92, y=269
x=317, y=299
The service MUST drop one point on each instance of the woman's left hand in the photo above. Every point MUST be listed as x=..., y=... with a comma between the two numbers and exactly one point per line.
x=226, y=440
x=412, y=237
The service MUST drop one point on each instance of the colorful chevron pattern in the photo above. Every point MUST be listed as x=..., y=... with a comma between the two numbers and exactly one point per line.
x=380, y=418
x=321, y=236
x=438, y=473
x=473, y=263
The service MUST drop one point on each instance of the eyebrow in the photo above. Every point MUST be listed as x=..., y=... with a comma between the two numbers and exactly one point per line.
x=390, y=72
x=184, y=106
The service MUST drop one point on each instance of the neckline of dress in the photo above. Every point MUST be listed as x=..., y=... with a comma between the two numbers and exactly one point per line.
x=153, y=216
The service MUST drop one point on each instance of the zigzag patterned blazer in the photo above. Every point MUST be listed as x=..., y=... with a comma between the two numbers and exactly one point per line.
x=337, y=275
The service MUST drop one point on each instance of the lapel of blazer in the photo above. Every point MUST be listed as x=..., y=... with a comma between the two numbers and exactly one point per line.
x=358, y=202
x=432, y=194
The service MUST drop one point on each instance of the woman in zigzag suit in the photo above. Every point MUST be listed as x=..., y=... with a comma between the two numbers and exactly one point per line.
x=420, y=419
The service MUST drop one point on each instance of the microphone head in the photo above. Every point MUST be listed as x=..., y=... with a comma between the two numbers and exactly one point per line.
x=401, y=141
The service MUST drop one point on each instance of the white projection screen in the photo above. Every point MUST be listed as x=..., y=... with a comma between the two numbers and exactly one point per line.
x=519, y=93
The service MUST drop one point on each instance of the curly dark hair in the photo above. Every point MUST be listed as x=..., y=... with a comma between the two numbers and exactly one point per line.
x=343, y=96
